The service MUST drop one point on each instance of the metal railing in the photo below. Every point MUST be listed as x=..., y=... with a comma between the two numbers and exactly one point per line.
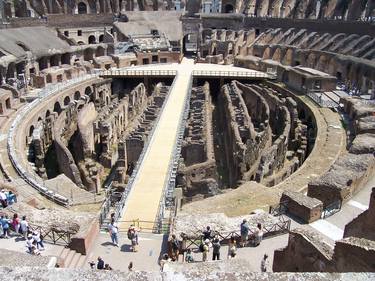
x=141, y=73
x=194, y=240
x=166, y=200
x=121, y=204
x=331, y=209
x=218, y=73
x=317, y=98
x=30, y=176
x=53, y=235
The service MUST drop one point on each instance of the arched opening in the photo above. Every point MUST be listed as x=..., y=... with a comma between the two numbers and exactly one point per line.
x=92, y=39
x=82, y=8
x=65, y=58
x=31, y=130
x=229, y=9
x=54, y=60
x=107, y=100
x=11, y=70
x=57, y=108
x=80, y=43
x=77, y=95
x=88, y=91
x=48, y=113
x=88, y=54
x=40, y=119
x=101, y=38
x=66, y=100
x=100, y=52
x=43, y=63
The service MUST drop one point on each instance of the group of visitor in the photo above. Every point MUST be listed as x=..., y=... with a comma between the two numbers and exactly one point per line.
x=132, y=235
x=100, y=265
x=210, y=242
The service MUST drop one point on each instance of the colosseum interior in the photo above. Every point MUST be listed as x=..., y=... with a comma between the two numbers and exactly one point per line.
x=171, y=116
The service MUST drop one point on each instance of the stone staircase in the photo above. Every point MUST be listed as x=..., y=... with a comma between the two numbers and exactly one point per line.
x=68, y=258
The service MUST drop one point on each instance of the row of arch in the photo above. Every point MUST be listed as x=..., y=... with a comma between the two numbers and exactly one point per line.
x=343, y=68
x=59, y=105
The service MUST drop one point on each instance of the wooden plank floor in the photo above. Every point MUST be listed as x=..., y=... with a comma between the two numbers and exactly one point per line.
x=143, y=201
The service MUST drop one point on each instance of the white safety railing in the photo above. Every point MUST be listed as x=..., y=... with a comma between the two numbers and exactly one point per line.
x=30, y=176
x=129, y=187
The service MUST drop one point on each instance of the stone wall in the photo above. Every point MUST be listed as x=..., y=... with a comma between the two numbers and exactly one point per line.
x=197, y=170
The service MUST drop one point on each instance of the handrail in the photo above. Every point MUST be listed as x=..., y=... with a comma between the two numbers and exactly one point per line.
x=121, y=204
x=193, y=241
x=170, y=181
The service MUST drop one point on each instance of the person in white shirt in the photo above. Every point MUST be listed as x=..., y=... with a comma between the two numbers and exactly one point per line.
x=113, y=230
x=38, y=240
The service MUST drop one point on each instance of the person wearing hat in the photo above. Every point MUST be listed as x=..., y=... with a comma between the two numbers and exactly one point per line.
x=244, y=232
x=206, y=249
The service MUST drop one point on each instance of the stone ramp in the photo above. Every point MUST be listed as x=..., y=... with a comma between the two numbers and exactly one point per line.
x=143, y=202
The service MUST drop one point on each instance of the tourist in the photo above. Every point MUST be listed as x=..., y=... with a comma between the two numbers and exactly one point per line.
x=100, y=264
x=16, y=223
x=29, y=243
x=244, y=232
x=175, y=245
x=207, y=234
x=38, y=239
x=133, y=237
x=5, y=225
x=113, y=231
x=258, y=235
x=3, y=199
x=189, y=256
x=206, y=249
x=107, y=267
x=163, y=261
x=11, y=197
x=130, y=266
x=24, y=226
x=232, y=249
x=216, y=249
x=264, y=265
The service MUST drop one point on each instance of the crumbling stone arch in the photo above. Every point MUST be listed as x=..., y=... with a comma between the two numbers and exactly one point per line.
x=100, y=51
x=267, y=53
x=311, y=60
x=92, y=39
x=66, y=100
x=82, y=8
x=288, y=57
x=77, y=95
x=88, y=54
x=277, y=55
x=57, y=108
x=31, y=130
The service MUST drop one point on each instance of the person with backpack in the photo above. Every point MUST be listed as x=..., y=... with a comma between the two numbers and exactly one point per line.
x=216, y=249
x=175, y=244
x=133, y=237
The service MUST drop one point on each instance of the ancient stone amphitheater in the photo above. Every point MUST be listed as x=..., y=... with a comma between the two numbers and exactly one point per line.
x=177, y=115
